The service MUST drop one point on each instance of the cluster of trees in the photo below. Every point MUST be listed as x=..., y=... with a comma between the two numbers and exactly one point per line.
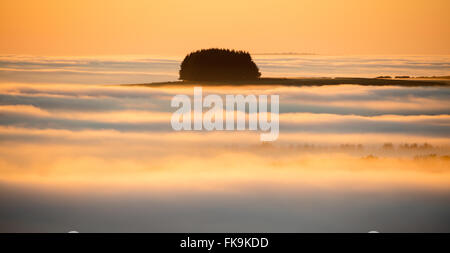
x=218, y=65
x=415, y=146
x=425, y=145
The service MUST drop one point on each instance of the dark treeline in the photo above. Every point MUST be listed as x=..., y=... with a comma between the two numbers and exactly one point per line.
x=218, y=65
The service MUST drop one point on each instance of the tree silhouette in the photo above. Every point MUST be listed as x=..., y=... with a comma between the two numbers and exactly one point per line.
x=216, y=64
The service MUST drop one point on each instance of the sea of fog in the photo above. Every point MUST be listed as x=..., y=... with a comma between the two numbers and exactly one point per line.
x=96, y=158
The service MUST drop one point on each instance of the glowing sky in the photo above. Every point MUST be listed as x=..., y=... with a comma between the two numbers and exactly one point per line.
x=81, y=27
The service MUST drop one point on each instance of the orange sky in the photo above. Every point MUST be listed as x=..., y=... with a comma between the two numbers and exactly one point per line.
x=174, y=27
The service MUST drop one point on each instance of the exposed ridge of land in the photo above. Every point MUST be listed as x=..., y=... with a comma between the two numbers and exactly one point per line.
x=410, y=82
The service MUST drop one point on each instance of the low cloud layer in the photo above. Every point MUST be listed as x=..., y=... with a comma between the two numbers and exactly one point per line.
x=336, y=110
